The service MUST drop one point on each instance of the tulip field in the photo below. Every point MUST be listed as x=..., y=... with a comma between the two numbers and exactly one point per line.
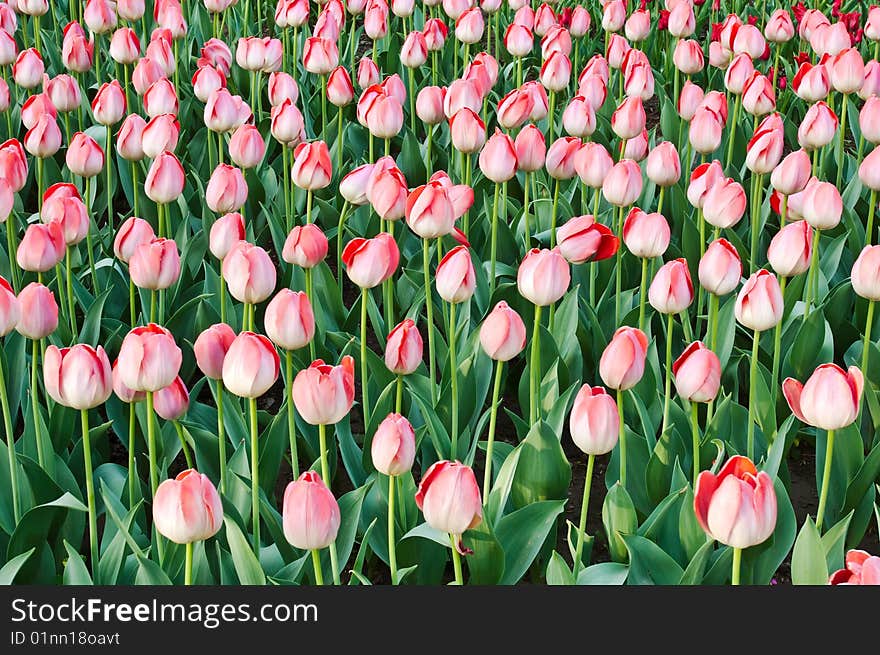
x=386, y=292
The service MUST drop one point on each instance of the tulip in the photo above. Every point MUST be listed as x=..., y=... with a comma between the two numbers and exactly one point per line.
x=312, y=170
x=160, y=134
x=594, y=424
x=28, y=69
x=227, y=190
x=149, y=359
x=736, y=507
x=621, y=187
x=369, y=262
x=225, y=233
x=171, y=403
x=646, y=235
x=305, y=246
x=869, y=177
x=582, y=239
x=42, y=247
x=403, y=350
x=719, y=271
x=628, y=120
x=623, y=360
x=187, y=509
x=869, y=120
x=250, y=276
x=155, y=265
x=10, y=314
x=704, y=131
x=449, y=498
x=818, y=127
x=132, y=233
x=861, y=567
x=164, y=184
x=246, y=147
x=289, y=320
x=724, y=204
x=790, y=176
x=310, y=517
x=663, y=167
x=829, y=400
x=790, y=250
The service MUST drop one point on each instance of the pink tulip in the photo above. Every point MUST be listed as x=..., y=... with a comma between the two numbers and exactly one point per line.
x=663, y=167
x=543, y=276
x=560, y=160
x=822, y=205
x=449, y=498
x=829, y=399
x=42, y=247
x=251, y=365
x=289, y=320
x=172, y=402
x=455, y=277
x=792, y=173
x=646, y=235
x=530, y=149
x=737, y=507
x=165, y=179
x=790, y=249
x=593, y=163
x=818, y=127
x=310, y=514
x=702, y=180
x=324, y=394
x=403, y=348
x=160, y=134
x=369, y=262
x=305, y=246
x=503, y=333
x=131, y=234
x=725, y=203
x=210, y=349
x=628, y=120
x=10, y=310
x=498, y=158
x=227, y=190
x=129, y=139
x=720, y=268
x=861, y=568
x=225, y=233
x=623, y=183
x=697, y=373
x=582, y=239
x=394, y=446
x=671, y=290
x=149, y=359
x=187, y=508
x=594, y=422
x=865, y=275
x=246, y=147
x=79, y=377
x=312, y=169
x=155, y=264
x=623, y=361
x=249, y=273
x=759, y=305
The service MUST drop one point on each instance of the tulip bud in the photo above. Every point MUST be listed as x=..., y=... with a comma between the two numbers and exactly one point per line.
x=403, y=348
x=503, y=333
x=759, y=305
x=671, y=290
x=582, y=239
x=663, y=167
x=369, y=262
x=394, y=446
x=289, y=320
x=249, y=273
x=449, y=498
x=225, y=233
x=188, y=508
x=210, y=349
x=10, y=310
x=79, y=377
x=790, y=249
x=324, y=394
x=172, y=402
x=623, y=183
x=312, y=169
x=132, y=233
x=725, y=203
x=720, y=268
x=251, y=365
x=594, y=422
x=865, y=275
x=310, y=514
x=829, y=400
x=593, y=163
x=455, y=277
x=155, y=264
x=623, y=361
x=165, y=179
x=697, y=373
x=42, y=247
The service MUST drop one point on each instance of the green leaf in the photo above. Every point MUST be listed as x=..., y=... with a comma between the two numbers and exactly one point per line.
x=522, y=533
x=12, y=567
x=649, y=564
x=75, y=571
x=486, y=564
x=425, y=531
x=834, y=543
x=619, y=518
x=543, y=472
x=246, y=564
x=693, y=574
x=558, y=572
x=150, y=573
x=606, y=573
x=808, y=566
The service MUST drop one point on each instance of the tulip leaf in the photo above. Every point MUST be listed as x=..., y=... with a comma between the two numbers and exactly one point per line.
x=619, y=518
x=606, y=573
x=522, y=533
x=543, y=472
x=486, y=564
x=834, y=543
x=808, y=565
x=425, y=531
x=759, y=563
x=648, y=564
x=247, y=567
x=558, y=572
x=150, y=573
x=13, y=566
x=693, y=574
x=691, y=535
x=75, y=571
x=497, y=500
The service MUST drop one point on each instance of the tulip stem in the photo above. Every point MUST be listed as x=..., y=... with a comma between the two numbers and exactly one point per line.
x=621, y=438
x=757, y=188
x=221, y=436
x=186, y=454
x=10, y=445
x=340, y=128
x=618, y=273
x=753, y=375
x=527, y=227
x=428, y=149
x=151, y=444
x=152, y=305
x=71, y=307
x=325, y=475
x=642, y=292
x=814, y=258
x=731, y=137
x=737, y=561
x=90, y=489
x=132, y=478
x=453, y=376
x=667, y=390
x=323, y=107
x=493, y=417
x=108, y=159
x=494, y=246
x=291, y=413
x=551, y=118
x=365, y=395
x=392, y=544
x=869, y=228
x=222, y=298
x=840, y=159
x=553, y=214
x=316, y=564
x=398, y=403
x=456, y=562
x=535, y=369
x=695, y=435
x=429, y=308
x=867, y=341
x=35, y=403
x=188, y=567
x=255, y=475
x=308, y=206
x=777, y=348
x=340, y=232
x=11, y=249
x=826, y=480
x=582, y=524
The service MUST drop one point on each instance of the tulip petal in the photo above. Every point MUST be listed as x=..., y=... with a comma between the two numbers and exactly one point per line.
x=792, y=390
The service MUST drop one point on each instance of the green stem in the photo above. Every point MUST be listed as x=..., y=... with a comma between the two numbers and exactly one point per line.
x=11, y=249
x=731, y=139
x=35, y=402
x=428, y=149
x=429, y=308
x=392, y=544
x=340, y=129
x=534, y=369
x=493, y=416
x=221, y=436
x=826, y=480
x=188, y=567
x=582, y=524
x=309, y=206
x=814, y=258
x=527, y=227
x=494, y=246
x=667, y=388
x=757, y=189
x=255, y=475
x=456, y=562
x=90, y=489
x=869, y=228
x=642, y=293
x=867, y=341
x=323, y=107
x=108, y=160
x=10, y=445
x=453, y=376
x=291, y=413
x=695, y=435
x=132, y=478
x=151, y=444
x=340, y=232
x=553, y=214
x=398, y=402
x=186, y=454
x=618, y=271
x=365, y=395
x=621, y=438
x=551, y=119
x=316, y=564
x=753, y=376
x=71, y=307
x=737, y=561
x=840, y=159
x=325, y=475
x=777, y=348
